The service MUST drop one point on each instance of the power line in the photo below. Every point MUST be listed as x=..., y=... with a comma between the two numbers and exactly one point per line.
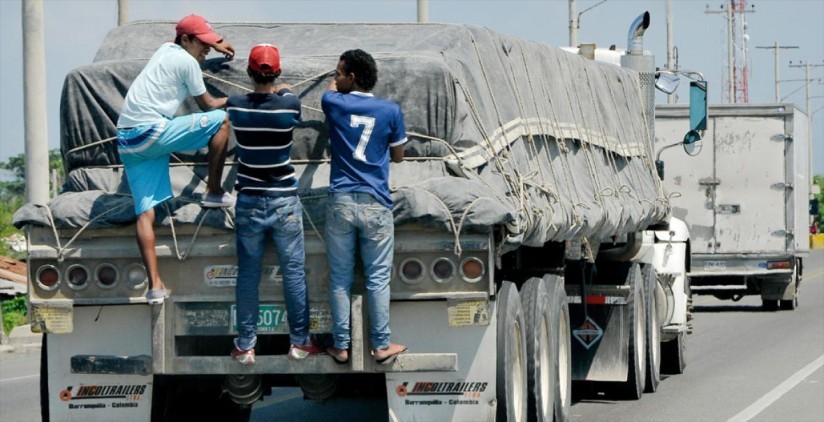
x=776, y=52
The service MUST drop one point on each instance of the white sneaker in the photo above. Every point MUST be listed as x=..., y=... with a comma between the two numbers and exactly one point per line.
x=218, y=201
x=303, y=352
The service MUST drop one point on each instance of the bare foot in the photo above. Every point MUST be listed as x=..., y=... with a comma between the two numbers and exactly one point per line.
x=388, y=355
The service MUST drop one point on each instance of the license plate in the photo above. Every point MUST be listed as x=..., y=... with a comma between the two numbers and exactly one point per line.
x=271, y=318
x=715, y=265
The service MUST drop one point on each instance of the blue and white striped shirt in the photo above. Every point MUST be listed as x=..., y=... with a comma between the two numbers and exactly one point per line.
x=263, y=125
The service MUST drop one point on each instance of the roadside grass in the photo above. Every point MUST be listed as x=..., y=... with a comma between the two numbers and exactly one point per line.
x=14, y=313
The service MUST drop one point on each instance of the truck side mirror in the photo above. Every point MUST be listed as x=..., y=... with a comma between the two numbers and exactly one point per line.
x=666, y=82
x=813, y=206
x=698, y=117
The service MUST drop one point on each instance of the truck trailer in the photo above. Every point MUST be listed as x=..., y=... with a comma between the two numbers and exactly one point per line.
x=533, y=241
x=745, y=199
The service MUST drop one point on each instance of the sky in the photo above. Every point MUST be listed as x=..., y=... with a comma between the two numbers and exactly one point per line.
x=74, y=30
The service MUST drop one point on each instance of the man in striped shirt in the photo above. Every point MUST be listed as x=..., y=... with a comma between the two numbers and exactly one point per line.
x=267, y=203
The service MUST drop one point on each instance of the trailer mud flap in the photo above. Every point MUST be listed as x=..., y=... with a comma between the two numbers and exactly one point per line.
x=85, y=393
x=606, y=357
x=430, y=327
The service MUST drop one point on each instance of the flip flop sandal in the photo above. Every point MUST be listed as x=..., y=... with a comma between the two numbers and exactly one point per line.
x=338, y=361
x=389, y=359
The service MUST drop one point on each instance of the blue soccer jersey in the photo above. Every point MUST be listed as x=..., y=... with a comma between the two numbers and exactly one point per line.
x=362, y=128
x=263, y=125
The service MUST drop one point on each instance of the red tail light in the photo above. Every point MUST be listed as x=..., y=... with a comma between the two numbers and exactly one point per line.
x=48, y=277
x=779, y=265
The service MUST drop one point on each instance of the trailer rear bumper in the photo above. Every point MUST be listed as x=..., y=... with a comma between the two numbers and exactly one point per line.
x=745, y=265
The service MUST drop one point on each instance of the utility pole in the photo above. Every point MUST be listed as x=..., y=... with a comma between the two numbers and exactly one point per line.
x=573, y=23
x=34, y=103
x=575, y=20
x=809, y=113
x=807, y=82
x=776, y=51
x=735, y=84
x=670, y=47
x=122, y=12
x=423, y=11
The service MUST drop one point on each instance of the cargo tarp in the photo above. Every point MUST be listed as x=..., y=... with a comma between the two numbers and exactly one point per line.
x=502, y=132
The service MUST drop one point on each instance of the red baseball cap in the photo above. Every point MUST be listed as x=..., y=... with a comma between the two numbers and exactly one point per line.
x=264, y=59
x=199, y=27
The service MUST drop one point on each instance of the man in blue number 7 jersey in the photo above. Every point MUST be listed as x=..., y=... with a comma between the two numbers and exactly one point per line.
x=364, y=131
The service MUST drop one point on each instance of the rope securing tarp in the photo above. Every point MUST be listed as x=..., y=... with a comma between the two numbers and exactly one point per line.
x=502, y=132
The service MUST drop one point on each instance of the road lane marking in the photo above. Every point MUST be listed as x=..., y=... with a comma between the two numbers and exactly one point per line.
x=20, y=378
x=776, y=393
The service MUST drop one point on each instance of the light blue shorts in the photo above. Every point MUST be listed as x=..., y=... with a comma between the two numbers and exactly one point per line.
x=144, y=151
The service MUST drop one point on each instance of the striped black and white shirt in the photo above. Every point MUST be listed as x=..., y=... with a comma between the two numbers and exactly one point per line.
x=263, y=125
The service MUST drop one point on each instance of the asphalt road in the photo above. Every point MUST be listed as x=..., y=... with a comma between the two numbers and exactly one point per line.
x=743, y=364
x=20, y=386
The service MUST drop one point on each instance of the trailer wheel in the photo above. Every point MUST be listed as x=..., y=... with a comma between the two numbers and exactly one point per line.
x=44, y=379
x=318, y=387
x=674, y=355
x=541, y=349
x=511, y=391
x=560, y=332
x=653, y=332
x=633, y=387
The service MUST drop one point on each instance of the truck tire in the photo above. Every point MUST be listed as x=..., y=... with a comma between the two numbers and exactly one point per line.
x=791, y=304
x=511, y=391
x=653, y=332
x=181, y=398
x=541, y=351
x=674, y=355
x=44, y=380
x=318, y=387
x=633, y=387
x=560, y=331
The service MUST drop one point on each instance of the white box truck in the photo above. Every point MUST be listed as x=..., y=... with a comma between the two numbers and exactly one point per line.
x=745, y=199
x=533, y=240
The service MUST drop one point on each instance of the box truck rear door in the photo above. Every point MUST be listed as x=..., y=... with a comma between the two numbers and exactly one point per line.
x=750, y=195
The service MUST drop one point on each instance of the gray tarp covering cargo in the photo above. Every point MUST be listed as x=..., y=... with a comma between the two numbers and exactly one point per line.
x=502, y=132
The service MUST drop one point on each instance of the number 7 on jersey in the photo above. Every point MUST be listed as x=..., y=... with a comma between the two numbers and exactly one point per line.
x=368, y=124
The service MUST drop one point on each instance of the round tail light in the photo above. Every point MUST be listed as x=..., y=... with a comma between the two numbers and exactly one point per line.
x=77, y=277
x=443, y=270
x=472, y=270
x=48, y=278
x=106, y=275
x=411, y=271
x=136, y=276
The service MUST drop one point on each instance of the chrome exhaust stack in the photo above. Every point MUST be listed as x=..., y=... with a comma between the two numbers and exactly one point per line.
x=635, y=37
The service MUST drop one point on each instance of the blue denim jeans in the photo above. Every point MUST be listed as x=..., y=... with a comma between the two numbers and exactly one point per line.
x=257, y=217
x=357, y=220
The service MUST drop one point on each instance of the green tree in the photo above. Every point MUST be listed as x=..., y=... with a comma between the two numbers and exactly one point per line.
x=17, y=166
x=12, y=195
